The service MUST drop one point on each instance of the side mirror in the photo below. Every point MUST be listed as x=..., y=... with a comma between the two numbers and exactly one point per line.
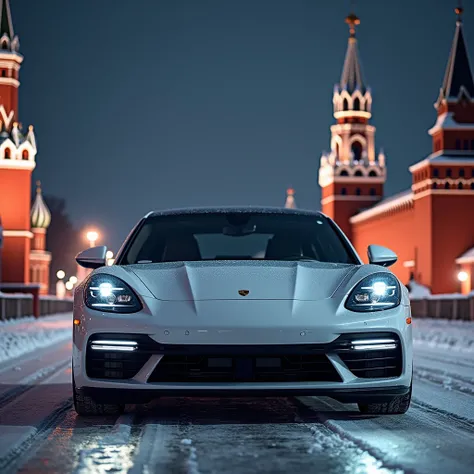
x=94, y=257
x=379, y=255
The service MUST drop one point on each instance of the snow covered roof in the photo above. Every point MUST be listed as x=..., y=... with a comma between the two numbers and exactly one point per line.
x=234, y=209
x=466, y=257
x=351, y=77
x=458, y=76
x=446, y=157
x=399, y=200
x=446, y=122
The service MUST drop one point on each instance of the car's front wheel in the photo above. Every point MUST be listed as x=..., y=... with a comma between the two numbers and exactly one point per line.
x=397, y=406
x=87, y=406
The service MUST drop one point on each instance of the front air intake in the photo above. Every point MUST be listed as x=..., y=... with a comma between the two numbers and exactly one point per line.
x=117, y=356
x=368, y=356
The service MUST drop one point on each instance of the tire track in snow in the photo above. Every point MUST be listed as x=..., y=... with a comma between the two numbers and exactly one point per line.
x=112, y=452
x=447, y=380
x=374, y=460
x=28, y=383
x=15, y=454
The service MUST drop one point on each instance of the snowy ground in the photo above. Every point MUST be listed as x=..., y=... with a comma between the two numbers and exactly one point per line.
x=40, y=433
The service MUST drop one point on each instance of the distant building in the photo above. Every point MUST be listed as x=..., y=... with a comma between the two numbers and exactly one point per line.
x=24, y=259
x=290, y=199
x=431, y=225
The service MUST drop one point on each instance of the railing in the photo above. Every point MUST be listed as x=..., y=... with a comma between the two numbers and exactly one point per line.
x=14, y=306
x=460, y=307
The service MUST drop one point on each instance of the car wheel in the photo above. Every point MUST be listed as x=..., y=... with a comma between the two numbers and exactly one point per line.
x=397, y=406
x=86, y=406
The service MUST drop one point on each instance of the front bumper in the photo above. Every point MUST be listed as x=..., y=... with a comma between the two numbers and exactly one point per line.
x=167, y=332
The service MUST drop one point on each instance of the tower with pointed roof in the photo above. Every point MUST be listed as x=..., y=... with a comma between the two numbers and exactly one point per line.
x=40, y=258
x=290, y=202
x=17, y=159
x=443, y=183
x=351, y=176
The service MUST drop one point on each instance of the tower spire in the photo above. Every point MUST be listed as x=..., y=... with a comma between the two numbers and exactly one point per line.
x=290, y=199
x=458, y=76
x=351, y=77
x=6, y=24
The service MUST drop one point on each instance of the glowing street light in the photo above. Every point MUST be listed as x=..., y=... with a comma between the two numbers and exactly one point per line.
x=60, y=274
x=92, y=237
x=73, y=280
x=109, y=254
x=463, y=276
x=69, y=285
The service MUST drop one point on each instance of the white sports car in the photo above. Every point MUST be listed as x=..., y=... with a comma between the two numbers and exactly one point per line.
x=240, y=302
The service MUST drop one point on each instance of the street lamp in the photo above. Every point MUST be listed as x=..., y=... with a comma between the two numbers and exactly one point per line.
x=92, y=237
x=60, y=274
x=73, y=280
x=69, y=285
x=463, y=276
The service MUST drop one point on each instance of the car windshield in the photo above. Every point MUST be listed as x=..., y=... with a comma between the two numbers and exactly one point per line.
x=237, y=236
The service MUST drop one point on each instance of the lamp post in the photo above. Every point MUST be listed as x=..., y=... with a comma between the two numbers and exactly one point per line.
x=60, y=288
x=92, y=236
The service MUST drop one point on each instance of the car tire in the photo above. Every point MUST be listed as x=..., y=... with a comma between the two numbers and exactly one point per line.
x=397, y=406
x=86, y=406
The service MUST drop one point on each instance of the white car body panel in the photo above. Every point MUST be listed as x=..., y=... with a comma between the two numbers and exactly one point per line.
x=198, y=304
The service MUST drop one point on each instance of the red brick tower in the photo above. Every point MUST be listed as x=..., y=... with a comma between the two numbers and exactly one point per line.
x=350, y=175
x=40, y=259
x=17, y=159
x=443, y=183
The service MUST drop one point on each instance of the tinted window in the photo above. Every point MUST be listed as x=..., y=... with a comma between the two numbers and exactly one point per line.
x=236, y=236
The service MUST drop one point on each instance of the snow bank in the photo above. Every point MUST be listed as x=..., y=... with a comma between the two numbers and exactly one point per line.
x=444, y=334
x=19, y=336
x=418, y=291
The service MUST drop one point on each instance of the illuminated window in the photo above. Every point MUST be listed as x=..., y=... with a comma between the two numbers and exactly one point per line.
x=25, y=155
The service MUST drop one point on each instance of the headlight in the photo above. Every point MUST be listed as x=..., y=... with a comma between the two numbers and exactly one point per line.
x=375, y=293
x=109, y=293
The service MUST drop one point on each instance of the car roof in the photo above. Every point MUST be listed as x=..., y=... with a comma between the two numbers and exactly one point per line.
x=234, y=209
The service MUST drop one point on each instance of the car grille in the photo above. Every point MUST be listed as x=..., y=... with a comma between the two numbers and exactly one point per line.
x=372, y=363
x=256, y=368
x=116, y=363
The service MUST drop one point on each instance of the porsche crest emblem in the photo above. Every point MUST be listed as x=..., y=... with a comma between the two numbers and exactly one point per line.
x=244, y=292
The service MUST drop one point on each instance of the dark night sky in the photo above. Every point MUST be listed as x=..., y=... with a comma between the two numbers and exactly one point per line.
x=152, y=104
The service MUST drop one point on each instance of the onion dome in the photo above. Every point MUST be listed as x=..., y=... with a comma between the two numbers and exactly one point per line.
x=40, y=215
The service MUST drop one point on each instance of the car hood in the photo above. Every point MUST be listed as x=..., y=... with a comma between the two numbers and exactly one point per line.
x=223, y=280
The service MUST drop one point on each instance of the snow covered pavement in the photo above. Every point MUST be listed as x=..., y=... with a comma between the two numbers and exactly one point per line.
x=40, y=433
x=20, y=336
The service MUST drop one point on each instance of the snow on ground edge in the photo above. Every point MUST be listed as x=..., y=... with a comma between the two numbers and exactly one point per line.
x=20, y=336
